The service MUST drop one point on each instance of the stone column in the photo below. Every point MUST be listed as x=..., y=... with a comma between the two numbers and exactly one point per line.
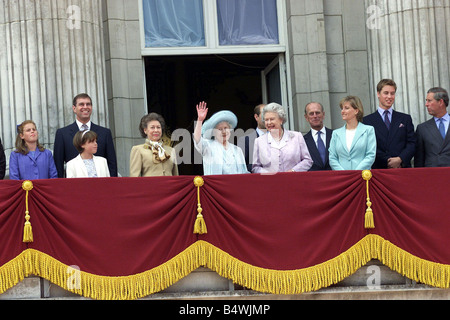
x=409, y=41
x=307, y=41
x=328, y=56
x=125, y=74
x=51, y=50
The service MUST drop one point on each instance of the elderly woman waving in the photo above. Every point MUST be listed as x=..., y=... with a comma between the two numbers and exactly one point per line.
x=211, y=141
x=280, y=150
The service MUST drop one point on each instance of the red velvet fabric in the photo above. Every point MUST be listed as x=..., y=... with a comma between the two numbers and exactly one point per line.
x=287, y=221
x=12, y=220
x=412, y=210
x=114, y=226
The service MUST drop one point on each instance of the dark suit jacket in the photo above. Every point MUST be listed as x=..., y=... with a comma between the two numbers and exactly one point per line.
x=2, y=161
x=431, y=149
x=315, y=155
x=246, y=143
x=64, y=150
x=398, y=141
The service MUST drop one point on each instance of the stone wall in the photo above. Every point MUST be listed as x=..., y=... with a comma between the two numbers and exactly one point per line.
x=51, y=51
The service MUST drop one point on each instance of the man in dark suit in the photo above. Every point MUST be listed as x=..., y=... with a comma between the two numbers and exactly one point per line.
x=247, y=141
x=318, y=138
x=394, y=130
x=433, y=140
x=64, y=150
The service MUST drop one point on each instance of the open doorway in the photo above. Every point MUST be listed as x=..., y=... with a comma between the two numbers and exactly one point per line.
x=175, y=84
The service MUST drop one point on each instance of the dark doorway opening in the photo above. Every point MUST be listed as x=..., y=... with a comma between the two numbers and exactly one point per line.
x=176, y=84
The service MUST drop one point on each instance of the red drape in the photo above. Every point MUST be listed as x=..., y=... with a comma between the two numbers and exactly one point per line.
x=285, y=221
x=412, y=210
x=119, y=227
x=113, y=227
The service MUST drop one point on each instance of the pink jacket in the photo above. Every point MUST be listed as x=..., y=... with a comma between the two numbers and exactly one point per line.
x=292, y=154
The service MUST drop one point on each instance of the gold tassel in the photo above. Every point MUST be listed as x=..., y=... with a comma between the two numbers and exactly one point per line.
x=368, y=219
x=200, y=225
x=27, y=230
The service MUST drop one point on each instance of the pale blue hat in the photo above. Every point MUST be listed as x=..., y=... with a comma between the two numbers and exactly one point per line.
x=216, y=118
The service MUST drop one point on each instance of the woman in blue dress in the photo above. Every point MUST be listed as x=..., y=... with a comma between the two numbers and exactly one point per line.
x=30, y=160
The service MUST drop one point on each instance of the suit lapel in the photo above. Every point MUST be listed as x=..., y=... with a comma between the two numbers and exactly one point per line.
x=342, y=137
x=395, y=124
x=433, y=129
x=74, y=129
x=37, y=153
x=312, y=147
x=437, y=135
x=82, y=166
x=381, y=125
x=359, y=132
x=329, y=135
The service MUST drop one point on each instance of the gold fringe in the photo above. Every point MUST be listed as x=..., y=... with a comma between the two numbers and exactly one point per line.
x=27, y=230
x=205, y=254
x=33, y=262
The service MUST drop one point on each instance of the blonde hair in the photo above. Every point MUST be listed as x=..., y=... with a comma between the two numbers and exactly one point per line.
x=356, y=104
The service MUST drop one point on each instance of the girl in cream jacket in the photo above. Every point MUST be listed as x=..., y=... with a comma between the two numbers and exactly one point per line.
x=86, y=165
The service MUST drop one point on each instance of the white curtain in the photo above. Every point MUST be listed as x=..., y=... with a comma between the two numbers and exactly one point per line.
x=249, y=22
x=173, y=23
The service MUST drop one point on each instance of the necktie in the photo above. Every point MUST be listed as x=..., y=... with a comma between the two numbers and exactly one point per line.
x=386, y=119
x=321, y=146
x=442, y=128
x=84, y=127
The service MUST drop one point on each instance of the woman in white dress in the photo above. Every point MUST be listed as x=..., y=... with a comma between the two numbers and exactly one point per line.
x=211, y=140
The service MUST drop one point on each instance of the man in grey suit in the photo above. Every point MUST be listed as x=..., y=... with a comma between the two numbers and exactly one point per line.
x=433, y=140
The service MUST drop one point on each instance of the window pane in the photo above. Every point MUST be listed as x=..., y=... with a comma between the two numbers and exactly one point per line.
x=249, y=22
x=173, y=23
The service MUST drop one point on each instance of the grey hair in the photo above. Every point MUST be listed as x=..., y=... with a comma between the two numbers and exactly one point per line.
x=312, y=102
x=275, y=108
x=440, y=93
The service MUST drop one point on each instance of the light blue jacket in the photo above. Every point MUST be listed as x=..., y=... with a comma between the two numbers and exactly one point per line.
x=217, y=160
x=24, y=167
x=362, y=153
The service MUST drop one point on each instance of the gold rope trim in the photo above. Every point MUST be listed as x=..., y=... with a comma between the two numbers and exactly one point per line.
x=368, y=219
x=27, y=230
x=200, y=225
x=205, y=254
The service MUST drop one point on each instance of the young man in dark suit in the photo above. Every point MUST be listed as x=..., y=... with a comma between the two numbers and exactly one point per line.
x=318, y=149
x=396, y=141
x=433, y=140
x=64, y=150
